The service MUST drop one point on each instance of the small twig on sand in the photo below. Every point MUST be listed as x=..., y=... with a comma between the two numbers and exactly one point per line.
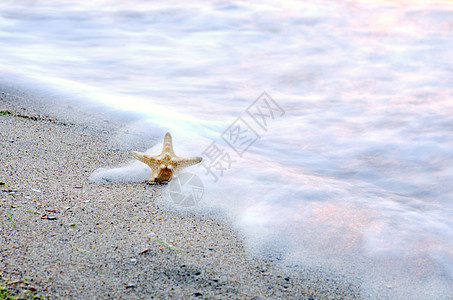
x=9, y=191
x=170, y=246
x=11, y=216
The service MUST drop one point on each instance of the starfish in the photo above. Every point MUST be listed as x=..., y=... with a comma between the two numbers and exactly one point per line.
x=166, y=164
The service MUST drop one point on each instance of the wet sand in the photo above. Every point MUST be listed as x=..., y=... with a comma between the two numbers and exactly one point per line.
x=63, y=236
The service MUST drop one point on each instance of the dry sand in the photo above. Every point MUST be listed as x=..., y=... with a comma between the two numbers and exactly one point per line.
x=62, y=236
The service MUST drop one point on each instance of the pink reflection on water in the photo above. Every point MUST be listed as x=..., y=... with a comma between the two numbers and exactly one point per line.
x=340, y=220
x=407, y=3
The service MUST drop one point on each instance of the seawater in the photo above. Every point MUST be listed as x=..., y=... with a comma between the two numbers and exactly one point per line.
x=356, y=176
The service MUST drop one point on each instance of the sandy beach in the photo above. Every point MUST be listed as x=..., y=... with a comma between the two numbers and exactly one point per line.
x=63, y=237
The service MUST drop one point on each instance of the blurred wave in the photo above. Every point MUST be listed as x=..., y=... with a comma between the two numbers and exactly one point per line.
x=355, y=176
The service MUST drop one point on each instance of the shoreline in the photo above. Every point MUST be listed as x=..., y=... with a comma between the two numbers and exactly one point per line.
x=65, y=237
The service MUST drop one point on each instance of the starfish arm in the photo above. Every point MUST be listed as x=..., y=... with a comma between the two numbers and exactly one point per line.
x=150, y=160
x=168, y=145
x=187, y=162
